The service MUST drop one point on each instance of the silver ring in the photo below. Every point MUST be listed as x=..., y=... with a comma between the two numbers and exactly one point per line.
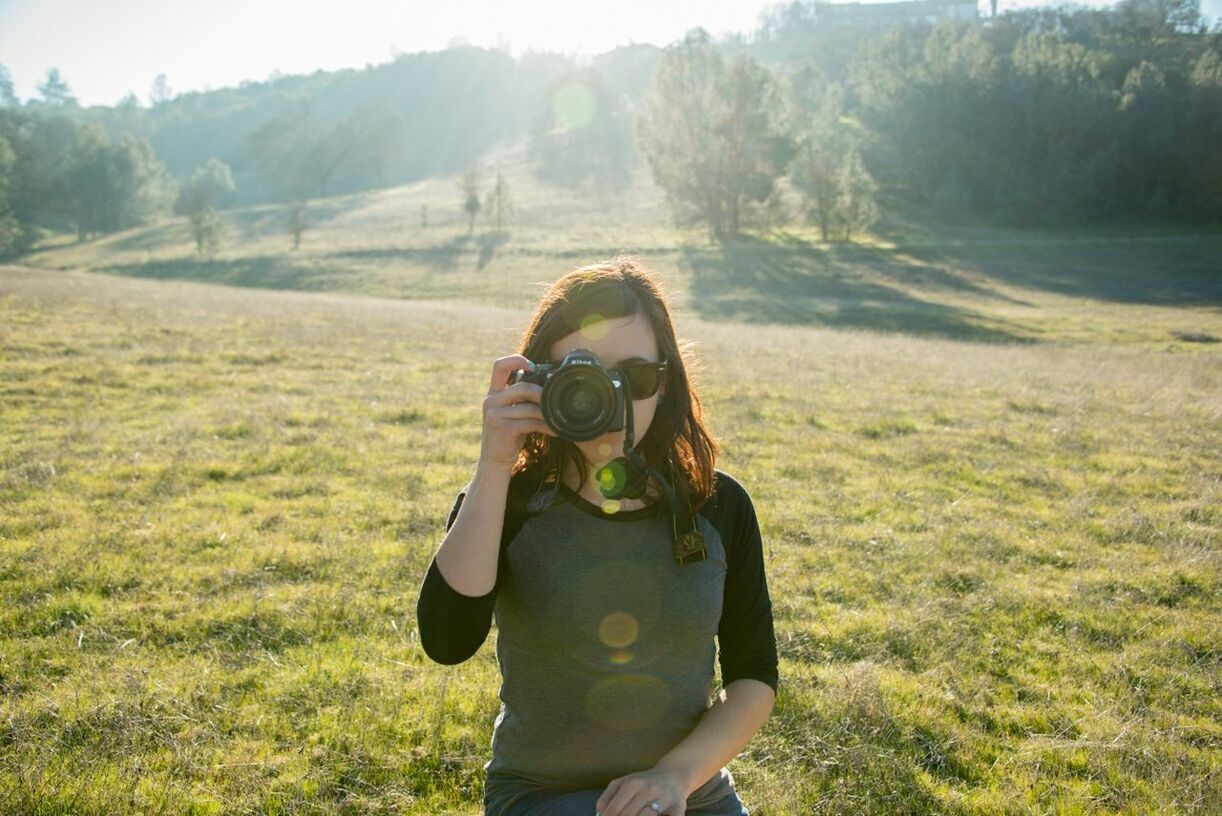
x=657, y=808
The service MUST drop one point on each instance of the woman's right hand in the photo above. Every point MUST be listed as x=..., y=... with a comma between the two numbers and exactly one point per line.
x=510, y=412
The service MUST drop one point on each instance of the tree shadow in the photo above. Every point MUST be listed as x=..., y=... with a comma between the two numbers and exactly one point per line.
x=277, y=219
x=843, y=286
x=153, y=237
x=1153, y=270
x=933, y=271
x=1155, y=266
x=489, y=243
x=440, y=258
x=262, y=272
x=238, y=225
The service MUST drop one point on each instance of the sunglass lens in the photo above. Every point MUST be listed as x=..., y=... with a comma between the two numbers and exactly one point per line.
x=643, y=380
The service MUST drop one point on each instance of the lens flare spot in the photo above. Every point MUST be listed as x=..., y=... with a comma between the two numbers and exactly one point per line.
x=628, y=702
x=621, y=657
x=619, y=629
x=610, y=507
x=604, y=449
x=593, y=327
x=611, y=478
x=574, y=105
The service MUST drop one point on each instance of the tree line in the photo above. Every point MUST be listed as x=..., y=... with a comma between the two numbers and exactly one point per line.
x=1063, y=115
x=1049, y=116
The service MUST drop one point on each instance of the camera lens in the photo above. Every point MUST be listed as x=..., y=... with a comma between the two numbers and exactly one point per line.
x=580, y=399
x=579, y=402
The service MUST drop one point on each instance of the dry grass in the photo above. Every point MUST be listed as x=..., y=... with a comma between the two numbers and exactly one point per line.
x=995, y=567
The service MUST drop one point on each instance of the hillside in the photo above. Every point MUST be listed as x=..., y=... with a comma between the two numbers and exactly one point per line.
x=910, y=276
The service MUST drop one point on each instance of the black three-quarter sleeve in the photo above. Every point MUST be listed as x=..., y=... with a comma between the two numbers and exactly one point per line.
x=452, y=625
x=745, y=636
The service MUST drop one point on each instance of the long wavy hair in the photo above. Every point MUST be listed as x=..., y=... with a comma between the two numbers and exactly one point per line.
x=677, y=442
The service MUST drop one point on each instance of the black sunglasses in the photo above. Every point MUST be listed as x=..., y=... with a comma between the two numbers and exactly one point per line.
x=644, y=379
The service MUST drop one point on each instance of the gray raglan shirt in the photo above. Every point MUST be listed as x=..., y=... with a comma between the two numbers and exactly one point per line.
x=606, y=645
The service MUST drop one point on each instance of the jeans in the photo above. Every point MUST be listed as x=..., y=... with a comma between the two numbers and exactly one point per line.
x=581, y=803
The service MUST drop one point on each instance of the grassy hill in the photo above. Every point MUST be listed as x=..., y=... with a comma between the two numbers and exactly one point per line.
x=1113, y=286
x=994, y=566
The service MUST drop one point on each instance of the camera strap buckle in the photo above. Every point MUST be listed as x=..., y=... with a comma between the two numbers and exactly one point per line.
x=689, y=547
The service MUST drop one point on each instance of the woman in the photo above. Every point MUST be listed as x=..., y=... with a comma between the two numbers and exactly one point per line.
x=605, y=634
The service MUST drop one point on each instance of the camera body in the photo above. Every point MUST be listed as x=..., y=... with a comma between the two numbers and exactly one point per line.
x=581, y=399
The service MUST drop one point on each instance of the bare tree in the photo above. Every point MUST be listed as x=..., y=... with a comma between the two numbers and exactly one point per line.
x=468, y=185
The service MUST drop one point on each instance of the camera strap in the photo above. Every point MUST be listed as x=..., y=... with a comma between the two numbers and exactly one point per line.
x=687, y=546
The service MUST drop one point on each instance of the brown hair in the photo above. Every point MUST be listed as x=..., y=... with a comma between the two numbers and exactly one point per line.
x=677, y=443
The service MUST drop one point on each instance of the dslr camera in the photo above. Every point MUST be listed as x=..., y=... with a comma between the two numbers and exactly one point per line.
x=581, y=399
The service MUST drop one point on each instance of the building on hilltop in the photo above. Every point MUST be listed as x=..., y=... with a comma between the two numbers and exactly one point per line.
x=883, y=15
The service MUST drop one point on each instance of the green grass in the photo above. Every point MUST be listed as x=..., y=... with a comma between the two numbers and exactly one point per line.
x=995, y=567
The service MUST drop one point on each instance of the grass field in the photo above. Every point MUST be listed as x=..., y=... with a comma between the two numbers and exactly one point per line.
x=987, y=475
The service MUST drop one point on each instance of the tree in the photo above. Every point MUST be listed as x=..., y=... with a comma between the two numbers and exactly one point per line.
x=498, y=205
x=816, y=175
x=368, y=141
x=113, y=186
x=856, y=208
x=711, y=135
x=160, y=91
x=11, y=230
x=8, y=97
x=211, y=187
x=468, y=186
x=282, y=147
x=583, y=133
x=365, y=141
x=1203, y=194
x=297, y=223
x=55, y=91
x=301, y=161
x=37, y=193
x=821, y=145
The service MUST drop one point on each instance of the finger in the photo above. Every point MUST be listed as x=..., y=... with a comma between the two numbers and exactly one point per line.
x=525, y=426
x=639, y=805
x=520, y=410
x=604, y=801
x=502, y=367
x=518, y=392
x=621, y=802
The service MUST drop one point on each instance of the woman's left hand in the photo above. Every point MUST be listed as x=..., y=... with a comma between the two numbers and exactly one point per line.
x=630, y=795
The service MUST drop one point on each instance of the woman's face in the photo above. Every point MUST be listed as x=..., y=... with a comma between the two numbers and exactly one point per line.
x=615, y=340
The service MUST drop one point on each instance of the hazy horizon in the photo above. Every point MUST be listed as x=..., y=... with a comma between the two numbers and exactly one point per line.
x=107, y=52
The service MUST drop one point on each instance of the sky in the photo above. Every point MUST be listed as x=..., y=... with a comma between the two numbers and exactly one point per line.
x=105, y=49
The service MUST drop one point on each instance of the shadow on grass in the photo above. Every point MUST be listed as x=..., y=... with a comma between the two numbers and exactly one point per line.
x=1148, y=265
x=1182, y=272
x=153, y=237
x=844, y=286
x=489, y=243
x=261, y=272
x=309, y=273
x=441, y=258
